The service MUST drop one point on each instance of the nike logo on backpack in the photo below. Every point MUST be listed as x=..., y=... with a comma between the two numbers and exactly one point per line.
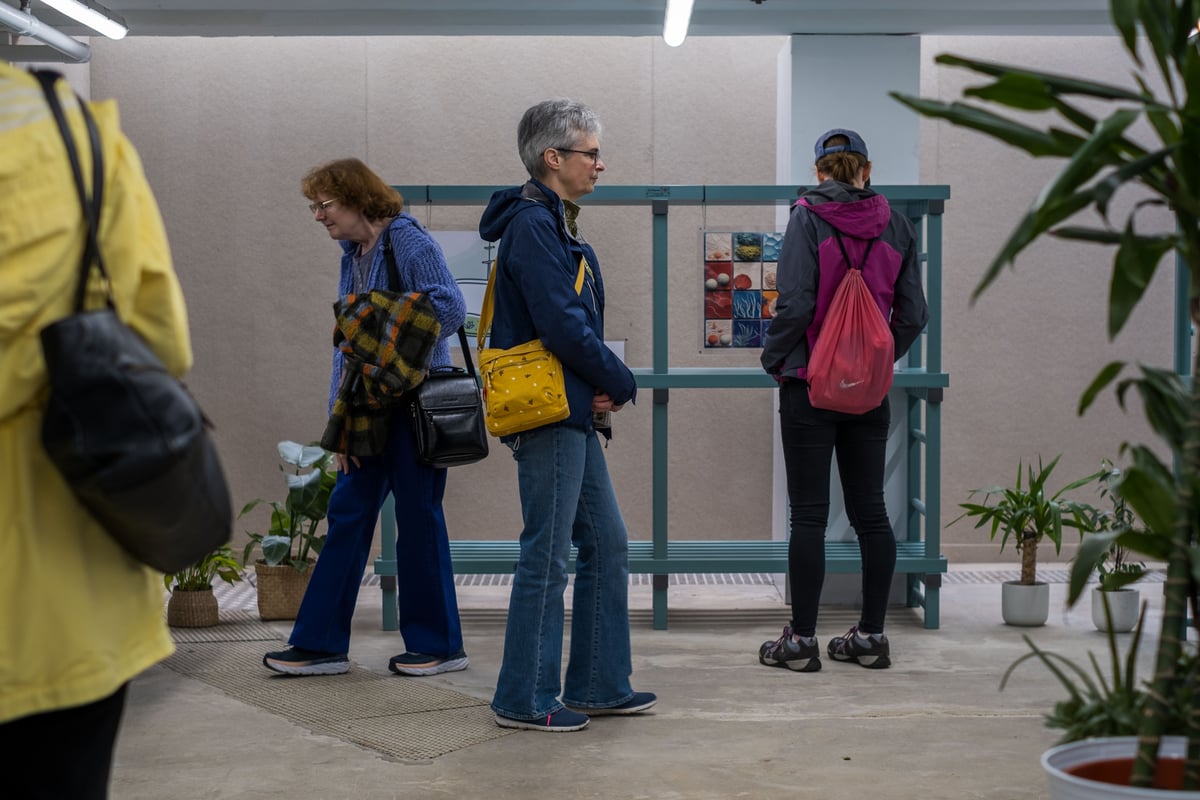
x=848, y=385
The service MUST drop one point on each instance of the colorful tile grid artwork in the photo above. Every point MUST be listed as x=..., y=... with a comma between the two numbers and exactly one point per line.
x=739, y=287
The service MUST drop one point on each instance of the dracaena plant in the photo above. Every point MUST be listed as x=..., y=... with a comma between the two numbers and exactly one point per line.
x=1162, y=168
x=1027, y=513
x=292, y=536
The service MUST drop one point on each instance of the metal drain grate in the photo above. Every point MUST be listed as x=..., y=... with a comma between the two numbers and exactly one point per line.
x=1045, y=575
x=399, y=717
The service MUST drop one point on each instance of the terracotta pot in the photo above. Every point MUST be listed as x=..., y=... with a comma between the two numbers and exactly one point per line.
x=192, y=609
x=280, y=589
x=1096, y=758
x=1123, y=605
x=1027, y=606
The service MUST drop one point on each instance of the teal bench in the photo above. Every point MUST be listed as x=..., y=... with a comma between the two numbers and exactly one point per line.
x=922, y=570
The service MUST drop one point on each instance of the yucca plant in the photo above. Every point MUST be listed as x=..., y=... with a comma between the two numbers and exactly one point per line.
x=1101, y=159
x=1026, y=513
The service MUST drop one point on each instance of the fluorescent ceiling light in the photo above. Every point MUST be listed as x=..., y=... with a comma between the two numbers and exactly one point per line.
x=94, y=15
x=675, y=26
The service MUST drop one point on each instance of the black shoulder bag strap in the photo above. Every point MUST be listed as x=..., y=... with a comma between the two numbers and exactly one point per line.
x=396, y=286
x=842, y=246
x=91, y=207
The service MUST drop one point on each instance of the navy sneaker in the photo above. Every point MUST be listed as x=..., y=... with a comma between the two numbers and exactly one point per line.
x=871, y=650
x=297, y=661
x=641, y=701
x=796, y=656
x=421, y=664
x=562, y=721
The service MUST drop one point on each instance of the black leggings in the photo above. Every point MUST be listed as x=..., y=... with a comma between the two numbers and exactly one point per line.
x=61, y=754
x=810, y=438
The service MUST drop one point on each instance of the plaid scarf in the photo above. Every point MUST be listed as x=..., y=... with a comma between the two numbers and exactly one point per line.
x=386, y=340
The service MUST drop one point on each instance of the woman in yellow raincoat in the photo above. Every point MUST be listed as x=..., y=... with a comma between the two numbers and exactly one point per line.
x=78, y=616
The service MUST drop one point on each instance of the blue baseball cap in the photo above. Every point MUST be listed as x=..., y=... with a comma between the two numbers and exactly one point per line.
x=857, y=145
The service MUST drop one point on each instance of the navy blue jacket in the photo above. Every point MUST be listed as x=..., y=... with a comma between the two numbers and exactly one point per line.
x=535, y=295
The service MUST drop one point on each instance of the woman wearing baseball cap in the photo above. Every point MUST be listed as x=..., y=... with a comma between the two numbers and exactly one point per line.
x=842, y=212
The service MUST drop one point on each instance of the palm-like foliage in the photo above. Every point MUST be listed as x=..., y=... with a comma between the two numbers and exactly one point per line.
x=1102, y=159
x=1025, y=512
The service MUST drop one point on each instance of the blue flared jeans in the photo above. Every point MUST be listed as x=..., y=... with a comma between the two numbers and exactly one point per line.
x=566, y=497
x=426, y=597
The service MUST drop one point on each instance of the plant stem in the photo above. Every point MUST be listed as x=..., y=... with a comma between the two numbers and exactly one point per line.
x=1028, y=559
x=1178, y=589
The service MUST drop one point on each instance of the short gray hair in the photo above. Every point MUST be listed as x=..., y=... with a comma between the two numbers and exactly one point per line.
x=553, y=123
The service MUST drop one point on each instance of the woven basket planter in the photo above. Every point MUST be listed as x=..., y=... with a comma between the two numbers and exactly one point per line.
x=192, y=609
x=280, y=589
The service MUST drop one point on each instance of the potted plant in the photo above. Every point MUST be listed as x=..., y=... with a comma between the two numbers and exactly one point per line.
x=1101, y=160
x=1027, y=514
x=192, y=603
x=1115, y=603
x=291, y=540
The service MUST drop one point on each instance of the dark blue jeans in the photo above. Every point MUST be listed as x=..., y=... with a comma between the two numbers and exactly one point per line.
x=428, y=604
x=810, y=438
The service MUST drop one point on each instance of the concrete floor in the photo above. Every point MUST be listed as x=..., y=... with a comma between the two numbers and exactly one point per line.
x=935, y=725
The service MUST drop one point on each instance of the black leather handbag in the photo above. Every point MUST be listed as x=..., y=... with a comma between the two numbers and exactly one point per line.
x=126, y=436
x=447, y=415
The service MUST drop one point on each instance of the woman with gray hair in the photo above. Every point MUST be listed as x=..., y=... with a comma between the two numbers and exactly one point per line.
x=566, y=494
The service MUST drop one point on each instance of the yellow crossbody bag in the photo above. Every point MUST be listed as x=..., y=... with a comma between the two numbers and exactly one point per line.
x=523, y=386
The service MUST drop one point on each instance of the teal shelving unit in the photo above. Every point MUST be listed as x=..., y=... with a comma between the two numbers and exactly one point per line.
x=920, y=378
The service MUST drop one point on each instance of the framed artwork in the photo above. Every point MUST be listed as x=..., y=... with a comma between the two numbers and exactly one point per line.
x=739, y=286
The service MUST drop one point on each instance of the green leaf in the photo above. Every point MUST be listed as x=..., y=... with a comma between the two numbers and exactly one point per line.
x=1153, y=500
x=1124, y=18
x=1088, y=159
x=1016, y=91
x=1093, y=235
x=1103, y=378
x=1136, y=261
x=1031, y=140
x=276, y=549
x=1092, y=552
x=1057, y=84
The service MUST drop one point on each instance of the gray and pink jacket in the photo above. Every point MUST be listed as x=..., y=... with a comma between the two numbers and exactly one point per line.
x=811, y=267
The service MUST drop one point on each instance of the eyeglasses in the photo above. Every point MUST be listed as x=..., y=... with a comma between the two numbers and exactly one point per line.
x=322, y=205
x=594, y=155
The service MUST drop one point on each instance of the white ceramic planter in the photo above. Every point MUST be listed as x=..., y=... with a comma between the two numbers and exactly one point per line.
x=1123, y=604
x=1064, y=786
x=1027, y=606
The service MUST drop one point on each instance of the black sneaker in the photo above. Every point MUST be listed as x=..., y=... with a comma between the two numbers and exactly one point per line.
x=297, y=661
x=797, y=656
x=562, y=721
x=421, y=664
x=871, y=651
x=641, y=701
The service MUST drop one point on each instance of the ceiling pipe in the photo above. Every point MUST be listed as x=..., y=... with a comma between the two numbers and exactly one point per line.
x=28, y=25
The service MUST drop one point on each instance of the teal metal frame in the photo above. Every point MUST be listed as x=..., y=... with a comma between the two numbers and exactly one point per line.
x=921, y=376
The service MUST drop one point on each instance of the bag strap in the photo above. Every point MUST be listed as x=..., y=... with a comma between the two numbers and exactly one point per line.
x=90, y=207
x=485, y=312
x=394, y=281
x=842, y=246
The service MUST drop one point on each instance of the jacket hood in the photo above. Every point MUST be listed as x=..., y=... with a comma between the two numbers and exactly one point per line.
x=860, y=213
x=507, y=203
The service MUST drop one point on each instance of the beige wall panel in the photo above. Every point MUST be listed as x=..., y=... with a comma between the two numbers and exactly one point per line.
x=226, y=127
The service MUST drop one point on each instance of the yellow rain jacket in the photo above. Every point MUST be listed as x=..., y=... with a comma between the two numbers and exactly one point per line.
x=78, y=617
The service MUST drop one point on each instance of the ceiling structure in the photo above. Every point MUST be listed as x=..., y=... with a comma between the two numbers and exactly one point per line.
x=593, y=17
